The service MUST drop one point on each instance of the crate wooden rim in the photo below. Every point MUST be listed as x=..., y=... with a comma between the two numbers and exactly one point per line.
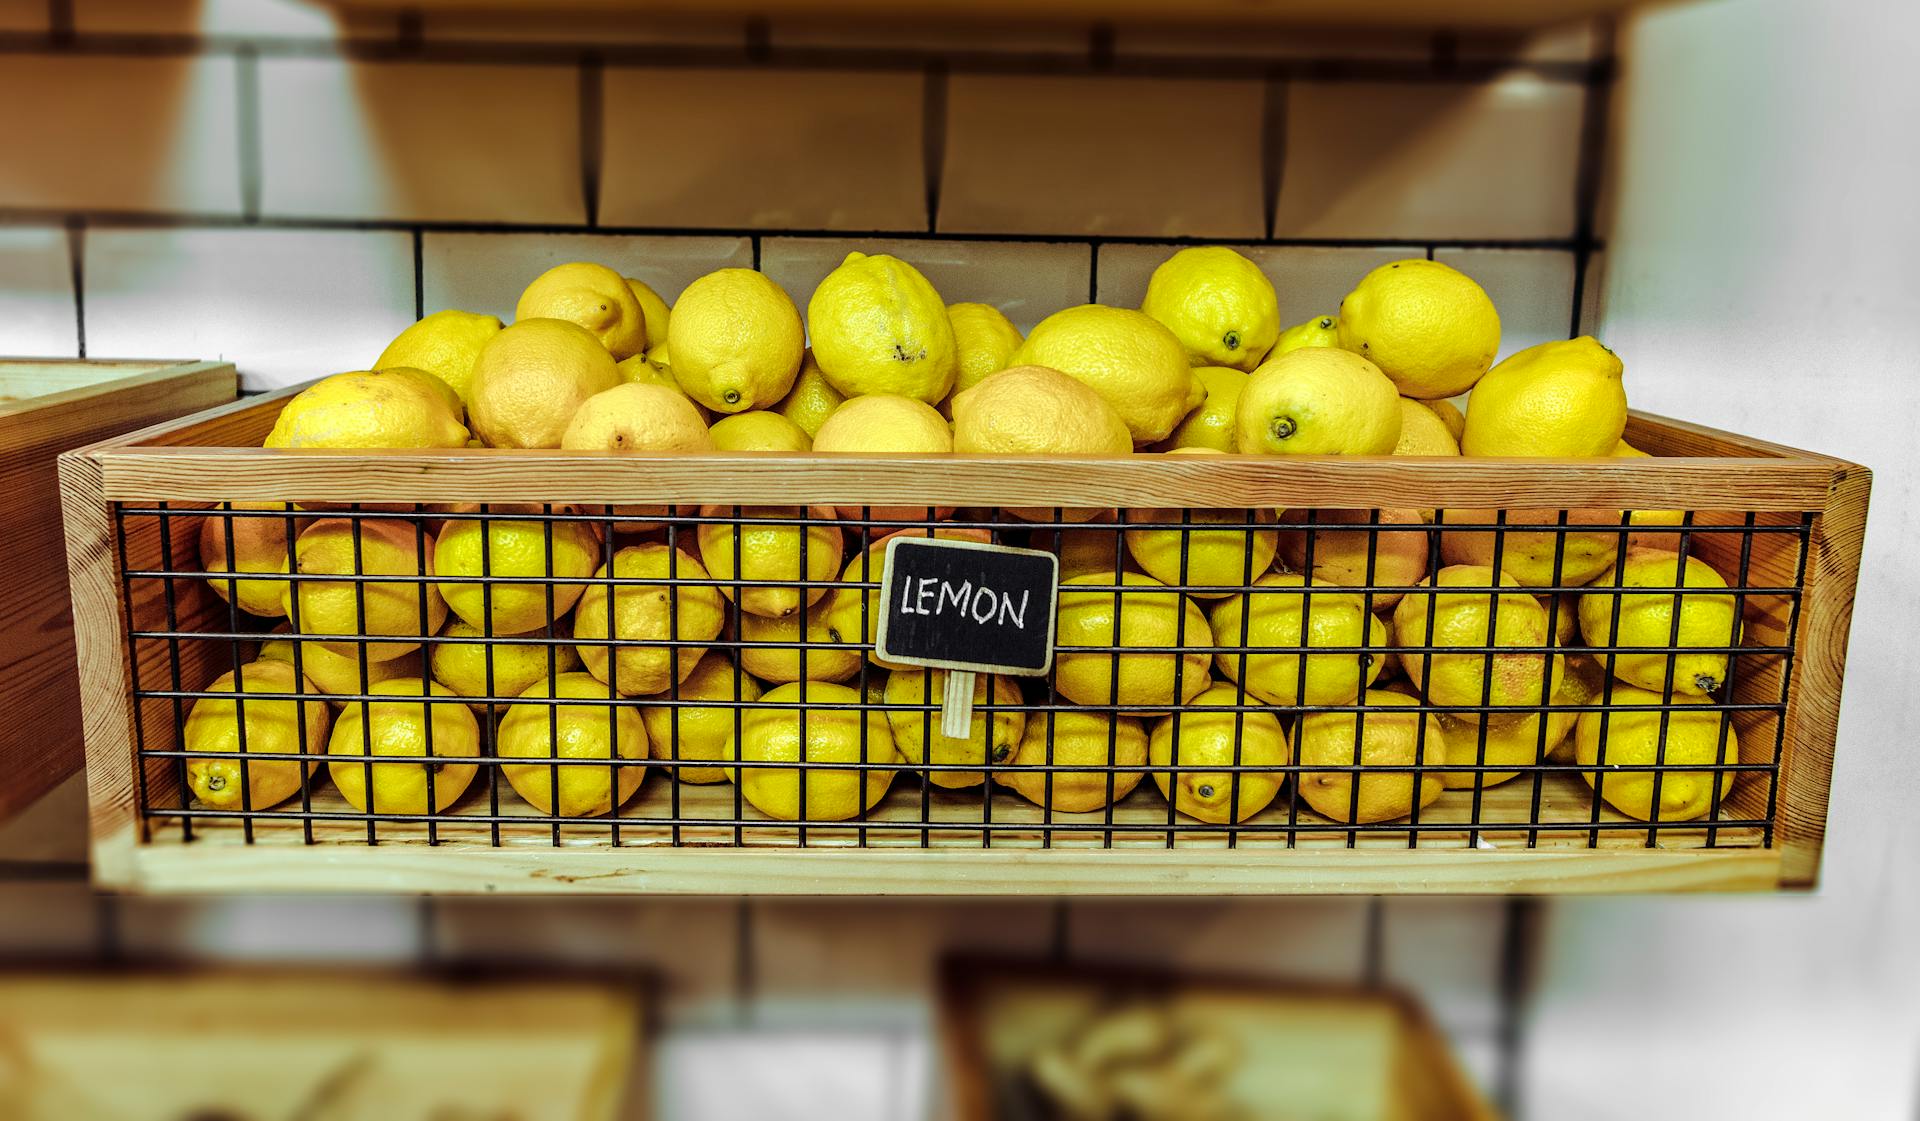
x=205, y=459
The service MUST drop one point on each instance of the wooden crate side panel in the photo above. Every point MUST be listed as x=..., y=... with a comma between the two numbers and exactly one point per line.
x=40, y=725
x=1813, y=713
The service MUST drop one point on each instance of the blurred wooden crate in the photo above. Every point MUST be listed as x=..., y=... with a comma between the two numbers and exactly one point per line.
x=46, y=407
x=324, y=1046
x=1334, y=1053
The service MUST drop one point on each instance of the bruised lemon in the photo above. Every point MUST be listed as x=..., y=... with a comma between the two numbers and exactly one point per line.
x=878, y=326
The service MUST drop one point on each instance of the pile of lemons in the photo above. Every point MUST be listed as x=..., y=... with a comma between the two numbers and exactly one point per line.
x=595, y=361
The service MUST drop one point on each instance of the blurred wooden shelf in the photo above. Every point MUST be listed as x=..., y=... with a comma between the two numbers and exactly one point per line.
x=1510, y=15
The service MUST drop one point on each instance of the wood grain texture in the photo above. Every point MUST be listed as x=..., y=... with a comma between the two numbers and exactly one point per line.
x=464, y=870
x=140, y=474
x=80, y=403
x=1813, y=712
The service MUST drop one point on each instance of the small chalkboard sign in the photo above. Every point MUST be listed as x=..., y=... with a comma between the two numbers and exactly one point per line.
x=968, y=608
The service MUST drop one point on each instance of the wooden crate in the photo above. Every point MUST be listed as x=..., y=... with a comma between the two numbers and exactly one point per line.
x=1309, y=1050
x=47, y=407
x=344, y=1045
x=214, y=458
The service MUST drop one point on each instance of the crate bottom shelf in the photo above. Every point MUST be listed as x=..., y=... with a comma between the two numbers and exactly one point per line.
x=898, y=851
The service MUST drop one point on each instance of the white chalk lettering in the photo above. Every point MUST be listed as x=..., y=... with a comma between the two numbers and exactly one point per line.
x=1019, y=618
x=983, y=597
x=928, y=588
x=956, y=596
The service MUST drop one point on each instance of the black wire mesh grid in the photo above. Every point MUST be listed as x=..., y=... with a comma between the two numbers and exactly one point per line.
x=1473, y=792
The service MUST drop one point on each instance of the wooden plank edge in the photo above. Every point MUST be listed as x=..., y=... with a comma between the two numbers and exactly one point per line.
x=463, y=870
x=1813, y=714
x=106, y=702
x=196, y=474
x=196, y=372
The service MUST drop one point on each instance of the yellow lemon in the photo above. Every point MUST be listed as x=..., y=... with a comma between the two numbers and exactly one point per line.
x=592, y=296
x=1127, y=357
x=1555, y=399
x=1196, y=557
x=433, y=385
x=271, y=727
x=885, y=424
x=829, y=653
x=1624, y=450
x=984, y=341
x=878, y=327
x=637, y=417
x=1707, y=618
x=686, y=733
x=1035, y=410
x=915, y=725
x=335, y=673
x=531, y=378
x=1534, y=556
x=364, y=409
x=398, y=609
x=497, y=667
x=1397, y=539
x=1332, y=618
x=533, y=730
x=1212, y=424
x=1085, y=551
x=759, y=431
x=653, y=310
x=642, y=372
x=532, y=550
x=1195, y=738
x=1077, y=739
x=1389, y=738
x=1092, y=617
x=1317, y=401
x=1422, y=432
x=800, y=732
x=1428, y=326
x=445, y=344
x=1451, y=416
x=1686, y=738
x=1321, y=330
x=1217, y=303
x=736, y=341
x=762, y=549
x=259, y=545
x=811, y=400
x=642, y=614
x=404, y=727
x=1467, y=618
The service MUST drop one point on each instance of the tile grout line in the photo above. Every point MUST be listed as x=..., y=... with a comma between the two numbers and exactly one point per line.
x=1273, y=147
x=1596, y=95
x=592, y=132
x=1519, y=937
x=76, y=263
x=933, y=138
x=60, y=22
x=247, y=102
x=419, y=275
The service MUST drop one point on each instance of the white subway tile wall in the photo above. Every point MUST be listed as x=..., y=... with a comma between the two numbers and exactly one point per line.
x=1430, y=160
x=289, y=186
x=284, y=306
x=1117, y=156
x=37, y=299
x=820, y=150
x=160, y=134
x=413, y=142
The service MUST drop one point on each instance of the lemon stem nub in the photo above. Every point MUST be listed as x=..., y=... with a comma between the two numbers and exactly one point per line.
x=1232, y=339
x=1206, y=790
x=1707, y=683
x=216, y=782
x=1000, y=753
x=731, y=397
x=1283, y=427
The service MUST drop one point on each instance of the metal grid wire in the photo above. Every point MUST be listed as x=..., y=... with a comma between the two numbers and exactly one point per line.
x=183, y=637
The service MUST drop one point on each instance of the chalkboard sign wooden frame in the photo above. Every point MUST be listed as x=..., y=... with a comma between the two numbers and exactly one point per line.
x=1011, y=597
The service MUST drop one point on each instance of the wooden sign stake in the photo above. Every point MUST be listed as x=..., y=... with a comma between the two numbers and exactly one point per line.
x=956, y=707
